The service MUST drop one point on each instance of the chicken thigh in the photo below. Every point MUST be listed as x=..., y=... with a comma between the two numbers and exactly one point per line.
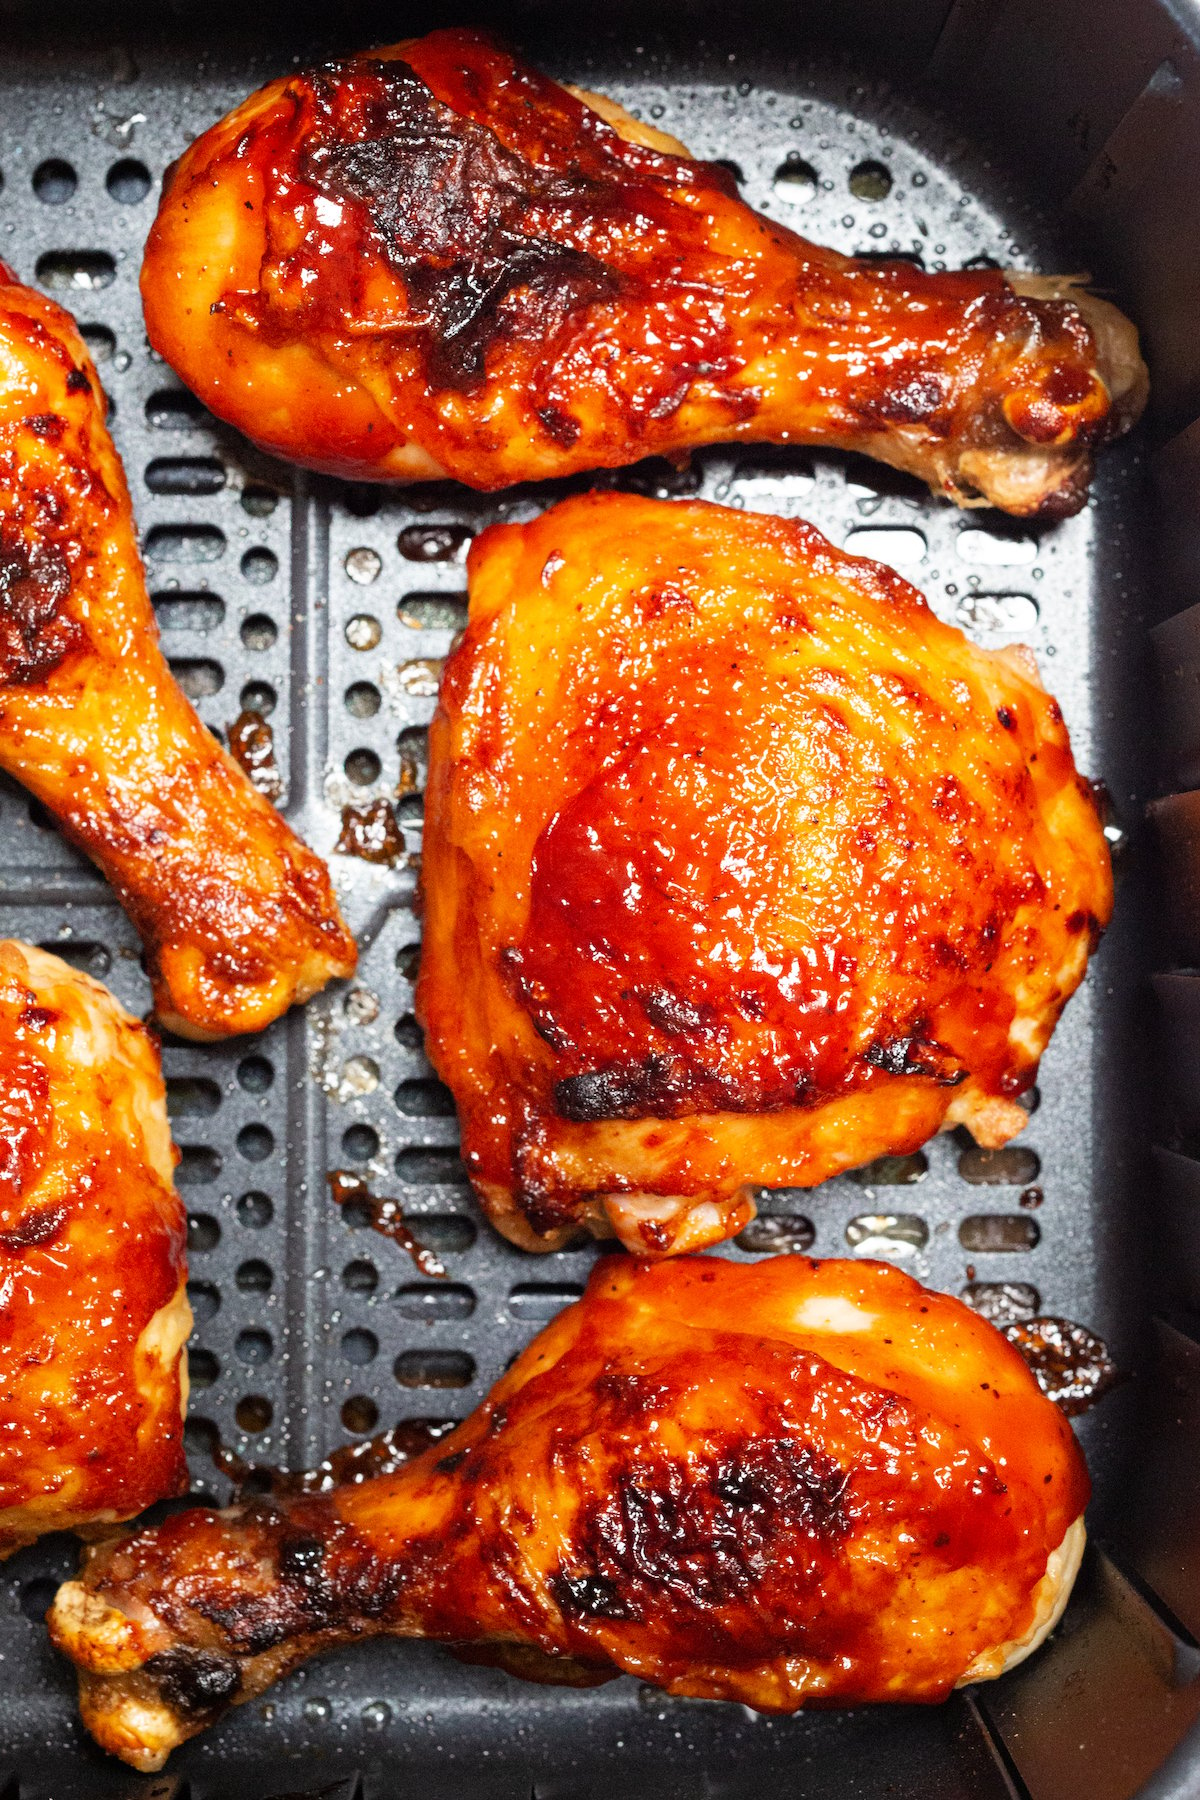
x=432, y=260
x=237, y=915
x=781, y=1484
x=93, y=1309
x=739, y=867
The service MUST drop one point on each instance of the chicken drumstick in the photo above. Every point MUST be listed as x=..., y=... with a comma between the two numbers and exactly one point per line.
x=778, y=1484
x=93, y=1310
x=432, y=260
x=237, y=915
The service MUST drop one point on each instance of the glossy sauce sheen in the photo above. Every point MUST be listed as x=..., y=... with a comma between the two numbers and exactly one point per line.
x=431, y=259
x=237, y=915
x=784, y=1484
x=739, y=865
x=91, y=1249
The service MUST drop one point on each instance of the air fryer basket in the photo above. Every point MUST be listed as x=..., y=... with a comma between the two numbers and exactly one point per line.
x=1057, y=134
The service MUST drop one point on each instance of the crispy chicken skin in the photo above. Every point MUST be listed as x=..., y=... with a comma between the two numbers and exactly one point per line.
x=237, y=915
x=739, y=867
x=432, y=260
x=784, y=1484
x=93, y=1308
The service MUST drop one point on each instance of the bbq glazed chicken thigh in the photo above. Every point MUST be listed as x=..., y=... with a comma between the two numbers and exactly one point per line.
x=432, y=260
x=93, y=1309
x=782, y=1484
x=739, y=867
x=237, y=915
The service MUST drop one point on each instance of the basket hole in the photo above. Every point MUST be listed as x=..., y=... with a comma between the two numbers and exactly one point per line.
x=198, y=1165
x=360, y=1076
x=1003, y=1302
x=259, y=566
x=255, y=1210
x=258, y=632
x=198, y=676
x=425, y=1098
x=775, y=1234
x=989, y=549
x=360, y=1143
x=433, y=612
x=101, y=342
x=255, y=1074
x=893, y=1171
x=1013, y=1166
x=542, y=1299
x=185, y=544
x=174, y=409
x=411, y=809
x=201, y=1437
x=82, y=954
x=998, y=1232
x=359, y=1347
x=899, y=545
x=128, y=181
x=76, y=271
x=795, y=182
x=998, y=615
x=205, y=1298
x=362, y=699
x=870, y=180
x=360, y=1276
x=176, y=611
x=253, y=1347
x=259, y=502
x=363, y=631
x=360, y=1414
x=54, y=181
x=408, y=961
x=447, y=1233
x=361, y=499
x=363, y=565
x=192, y=1097
x=434, y=1300
x=258, y=697
x=435, y=1369
x=362, y=767
x=433, y=543
x=255, y=1142
x=203, y=1368
x=254, y=1413
x=419, y=677
x=887, y=1234
x=190, y=475
x=203, y=1232
x=37, y=1597
x=432, y=1166
x=254, y=1277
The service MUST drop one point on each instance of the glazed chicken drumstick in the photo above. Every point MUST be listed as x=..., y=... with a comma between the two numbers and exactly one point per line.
x=93, y=1309
x=238, y=917
x=739, y=866
x=781, y=1484
x=432, y=260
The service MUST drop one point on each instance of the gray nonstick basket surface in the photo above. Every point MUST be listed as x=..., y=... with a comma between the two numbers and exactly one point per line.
x=1049, y=136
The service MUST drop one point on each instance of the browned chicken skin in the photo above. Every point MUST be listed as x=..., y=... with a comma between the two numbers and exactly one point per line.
x=739, y=867
x=93, y=1310
x=238, y=917
x=784, y=1484
x=432, y=260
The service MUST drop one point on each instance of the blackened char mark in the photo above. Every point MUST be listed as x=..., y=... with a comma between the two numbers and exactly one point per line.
x=195, y=1683
x=456, y=212
x=706, y=1535
x=916, y=1056
x=35, y=632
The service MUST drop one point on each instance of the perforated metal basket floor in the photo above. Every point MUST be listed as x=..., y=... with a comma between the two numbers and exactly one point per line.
x=330, y=610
